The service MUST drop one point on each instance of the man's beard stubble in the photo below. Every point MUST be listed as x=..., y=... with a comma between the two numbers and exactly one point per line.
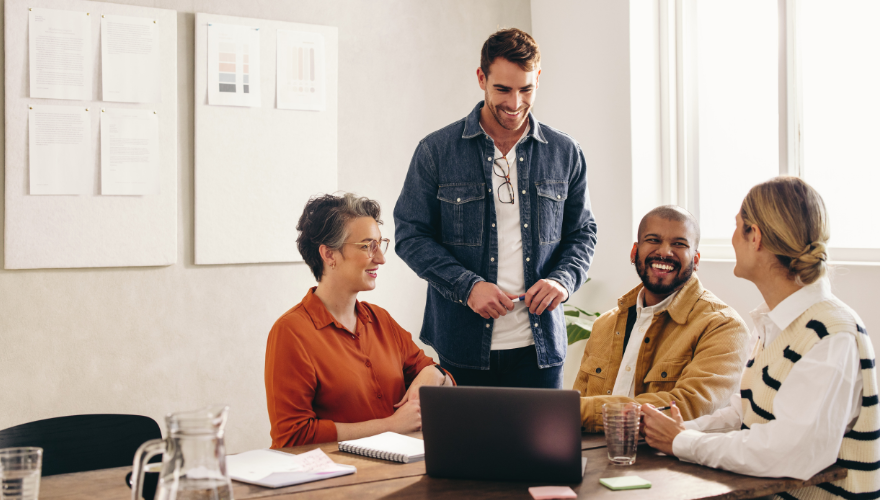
x=681, y=277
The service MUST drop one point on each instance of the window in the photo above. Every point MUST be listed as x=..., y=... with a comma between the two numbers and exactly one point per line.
x=743, y=90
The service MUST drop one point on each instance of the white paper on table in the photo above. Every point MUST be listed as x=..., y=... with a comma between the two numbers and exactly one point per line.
x=233, y=65
x=300, y=71
x=59, y=55
x=58, y=149
x=129, y=59
x=129, y=152
x=274, y=469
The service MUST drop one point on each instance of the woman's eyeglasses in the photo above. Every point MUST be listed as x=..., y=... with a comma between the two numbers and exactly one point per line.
x=505, y=190
x=372, y=245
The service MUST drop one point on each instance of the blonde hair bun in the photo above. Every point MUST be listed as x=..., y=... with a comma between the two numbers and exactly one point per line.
x=794, y=225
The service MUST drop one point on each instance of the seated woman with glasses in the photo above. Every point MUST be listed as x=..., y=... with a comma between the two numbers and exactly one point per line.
x=337, y=368
x=808, y=395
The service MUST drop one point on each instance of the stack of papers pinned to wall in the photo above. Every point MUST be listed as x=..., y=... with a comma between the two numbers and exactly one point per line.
x=274, y=469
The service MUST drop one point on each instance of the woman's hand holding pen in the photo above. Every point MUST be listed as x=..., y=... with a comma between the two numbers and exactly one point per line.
x=659, y=429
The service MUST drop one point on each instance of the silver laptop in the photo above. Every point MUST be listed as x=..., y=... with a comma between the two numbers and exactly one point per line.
x=502, y=434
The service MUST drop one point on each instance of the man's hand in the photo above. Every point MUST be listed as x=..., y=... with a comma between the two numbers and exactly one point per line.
x=487, y=300
x=545, y=295
x=429, y=375
x=661, y=430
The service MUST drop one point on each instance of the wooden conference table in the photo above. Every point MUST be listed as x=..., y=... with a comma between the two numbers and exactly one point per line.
x=375, y=478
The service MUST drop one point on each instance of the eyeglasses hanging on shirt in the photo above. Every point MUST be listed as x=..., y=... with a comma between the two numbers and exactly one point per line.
x=505, y=190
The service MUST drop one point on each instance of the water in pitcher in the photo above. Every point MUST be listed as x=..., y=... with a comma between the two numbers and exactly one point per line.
x=203, y=489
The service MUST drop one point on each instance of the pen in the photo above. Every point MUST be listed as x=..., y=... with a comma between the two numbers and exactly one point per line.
x=663, y=408
x=521, y=298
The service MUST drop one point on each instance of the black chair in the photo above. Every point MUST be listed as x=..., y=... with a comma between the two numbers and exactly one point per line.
x=83, y=442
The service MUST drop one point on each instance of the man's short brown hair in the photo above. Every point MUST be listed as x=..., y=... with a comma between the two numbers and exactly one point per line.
x=512, y=44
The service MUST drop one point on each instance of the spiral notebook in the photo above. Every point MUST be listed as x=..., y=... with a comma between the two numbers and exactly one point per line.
x=387, y=446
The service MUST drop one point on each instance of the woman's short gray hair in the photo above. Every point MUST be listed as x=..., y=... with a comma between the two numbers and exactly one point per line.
x=324, y=222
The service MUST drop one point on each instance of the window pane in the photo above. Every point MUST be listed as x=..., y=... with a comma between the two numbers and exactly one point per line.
x=737, y=72
x=840, y=63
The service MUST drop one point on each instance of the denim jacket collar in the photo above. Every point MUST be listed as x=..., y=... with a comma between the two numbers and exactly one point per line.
x=473, y=129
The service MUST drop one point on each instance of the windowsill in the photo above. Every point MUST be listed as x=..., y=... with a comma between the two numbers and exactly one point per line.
x=833, y=263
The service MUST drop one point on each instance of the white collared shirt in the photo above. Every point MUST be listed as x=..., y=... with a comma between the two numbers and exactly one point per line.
x=819, y=401
x=624, y=384
x=512, y=330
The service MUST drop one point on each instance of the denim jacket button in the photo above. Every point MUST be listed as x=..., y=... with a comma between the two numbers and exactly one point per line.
x=487, y=325
x=458, y=199
x=521, y=158
x=490, y=190
x=536, y=325
x=527, y=259
x=525, y=225
x=489, y=158
x=524, y=191
x=491, y=259
x=558, y=196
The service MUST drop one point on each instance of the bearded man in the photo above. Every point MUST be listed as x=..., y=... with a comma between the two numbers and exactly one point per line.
x=669, y=340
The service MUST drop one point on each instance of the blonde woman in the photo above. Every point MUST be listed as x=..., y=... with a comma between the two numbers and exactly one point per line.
x=808, y=395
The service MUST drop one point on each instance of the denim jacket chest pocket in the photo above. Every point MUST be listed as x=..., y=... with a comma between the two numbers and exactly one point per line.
x=551, y=204
x=461, y=212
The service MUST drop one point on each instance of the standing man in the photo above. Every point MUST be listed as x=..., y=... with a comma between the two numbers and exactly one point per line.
x=496, y=206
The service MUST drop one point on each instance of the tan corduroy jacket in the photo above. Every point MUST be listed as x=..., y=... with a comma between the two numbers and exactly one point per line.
x=693, y=353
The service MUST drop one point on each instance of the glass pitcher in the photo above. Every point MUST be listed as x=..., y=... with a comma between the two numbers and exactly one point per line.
x=193, y=460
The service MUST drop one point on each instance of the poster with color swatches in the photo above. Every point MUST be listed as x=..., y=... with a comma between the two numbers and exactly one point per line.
x=233, y=65
x=300, y=71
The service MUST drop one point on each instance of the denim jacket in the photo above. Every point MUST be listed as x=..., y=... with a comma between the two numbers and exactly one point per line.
x=445, y=231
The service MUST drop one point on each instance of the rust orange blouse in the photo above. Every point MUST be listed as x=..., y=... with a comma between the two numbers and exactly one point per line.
x=318, y=373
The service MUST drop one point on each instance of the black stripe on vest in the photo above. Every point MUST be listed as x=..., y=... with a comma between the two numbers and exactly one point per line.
x=770, y=381
x=863, y=436
x=862, y=466
x=837, y=490
x=867, y=363
x=861, y=329
x=744, y=427
x=766, y=415
x=786, y=496
x=750, y=363
x=870, y=400
x=791, y=355
x=818, y=327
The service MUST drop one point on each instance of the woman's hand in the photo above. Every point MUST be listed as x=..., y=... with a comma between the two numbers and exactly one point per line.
x=430, y=375
x=661, y=430
x=407, y=418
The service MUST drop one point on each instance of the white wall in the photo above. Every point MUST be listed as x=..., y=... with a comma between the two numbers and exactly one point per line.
x=585, y=90
x=155, y=340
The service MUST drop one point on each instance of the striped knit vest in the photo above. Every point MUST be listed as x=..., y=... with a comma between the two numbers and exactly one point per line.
x=766, y=372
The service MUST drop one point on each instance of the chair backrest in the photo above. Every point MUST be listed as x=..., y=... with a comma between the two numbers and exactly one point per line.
x=83, y=442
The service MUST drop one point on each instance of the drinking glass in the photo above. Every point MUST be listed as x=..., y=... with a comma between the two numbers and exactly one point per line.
x=20, y=473
x=621, y=421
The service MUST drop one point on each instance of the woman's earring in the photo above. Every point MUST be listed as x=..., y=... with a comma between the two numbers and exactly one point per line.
x=333, y=265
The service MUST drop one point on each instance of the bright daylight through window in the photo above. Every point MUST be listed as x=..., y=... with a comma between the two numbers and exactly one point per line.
x=751, y=89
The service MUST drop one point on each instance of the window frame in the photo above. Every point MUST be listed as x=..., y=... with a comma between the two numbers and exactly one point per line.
x=678, y=128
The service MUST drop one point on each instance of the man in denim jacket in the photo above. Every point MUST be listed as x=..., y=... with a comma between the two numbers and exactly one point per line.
x=496, y=206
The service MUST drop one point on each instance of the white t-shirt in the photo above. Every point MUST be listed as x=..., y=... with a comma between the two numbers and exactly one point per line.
x=512, y=330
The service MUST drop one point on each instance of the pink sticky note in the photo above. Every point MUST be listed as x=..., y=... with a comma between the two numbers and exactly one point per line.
x=548, y=492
